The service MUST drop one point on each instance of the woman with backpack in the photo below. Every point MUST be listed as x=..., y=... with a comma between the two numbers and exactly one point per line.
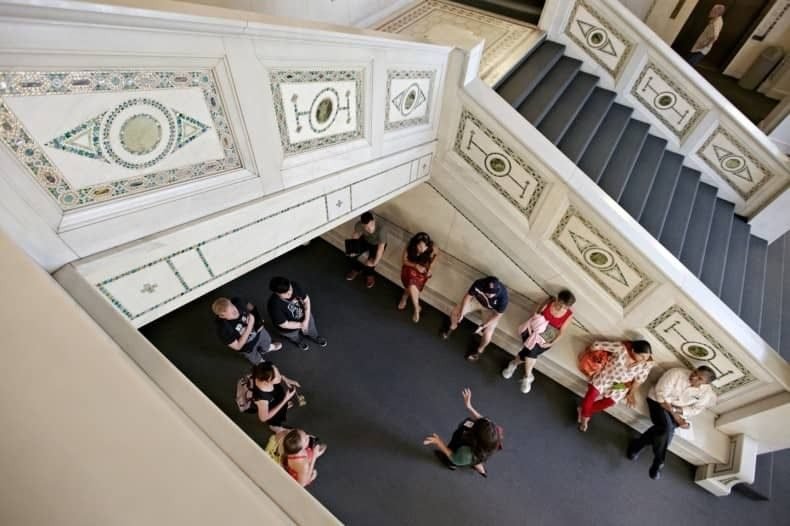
x=475, y=439
x=271, y=394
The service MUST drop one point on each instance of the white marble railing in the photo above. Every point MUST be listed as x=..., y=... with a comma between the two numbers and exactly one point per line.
x=732, y=153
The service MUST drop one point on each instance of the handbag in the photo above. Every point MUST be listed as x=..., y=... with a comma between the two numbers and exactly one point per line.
x=591, y=361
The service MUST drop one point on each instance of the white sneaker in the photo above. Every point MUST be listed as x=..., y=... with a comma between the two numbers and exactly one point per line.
x=526, y=384
x=507, y=372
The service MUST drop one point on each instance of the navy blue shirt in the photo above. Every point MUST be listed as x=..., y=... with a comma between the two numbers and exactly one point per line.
x=487, y=285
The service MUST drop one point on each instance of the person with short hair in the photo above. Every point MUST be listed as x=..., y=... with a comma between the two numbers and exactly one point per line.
x=628, y=366
x=489, y=295
x=472, y=443
x=240, y=327
x=709, y=35
x=271, y=394
x=291, y=311
x=300, y=452
x=418, y=258
x=539, y=333
x=373, y=237
x=677, y=396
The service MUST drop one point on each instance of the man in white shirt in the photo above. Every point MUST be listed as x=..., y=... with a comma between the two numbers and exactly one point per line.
x=709, y=35
x=678, y=395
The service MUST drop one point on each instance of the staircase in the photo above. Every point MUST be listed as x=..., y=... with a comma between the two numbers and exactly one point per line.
x=525, y=10
x=652, y=184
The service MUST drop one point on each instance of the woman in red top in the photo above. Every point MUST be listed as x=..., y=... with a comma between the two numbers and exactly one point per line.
x=418, y=257
x=557, y=312
x=300, y=451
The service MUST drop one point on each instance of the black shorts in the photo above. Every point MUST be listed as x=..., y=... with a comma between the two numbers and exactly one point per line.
x=534, y=352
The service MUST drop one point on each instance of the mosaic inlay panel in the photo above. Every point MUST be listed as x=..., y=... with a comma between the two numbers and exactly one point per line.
x=694, y=346
x=317, y=108
x=498, y=163
x=602, y=42
x=132, y=130
x=729, y=158
x=409, y=97
x=667, y=101
x=435, y=21
x=599, y=258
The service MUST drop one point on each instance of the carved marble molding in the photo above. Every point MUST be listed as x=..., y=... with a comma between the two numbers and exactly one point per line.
x=688, y=340
x=495, y=161
x=599, y=258
x=731, y=160
x=599, y=39
x=663, y=97
x=409, y=98
x=94, y=136
x=317, y=108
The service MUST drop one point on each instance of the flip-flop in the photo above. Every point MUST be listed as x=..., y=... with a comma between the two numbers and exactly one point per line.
x=473, y=357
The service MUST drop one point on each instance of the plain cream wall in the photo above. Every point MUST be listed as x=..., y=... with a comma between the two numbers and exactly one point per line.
x=86, y=437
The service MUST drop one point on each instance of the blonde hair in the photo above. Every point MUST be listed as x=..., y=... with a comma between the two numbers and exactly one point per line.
x=219, y=305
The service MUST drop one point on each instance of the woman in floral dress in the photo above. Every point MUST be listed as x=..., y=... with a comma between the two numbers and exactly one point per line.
x=628, y=366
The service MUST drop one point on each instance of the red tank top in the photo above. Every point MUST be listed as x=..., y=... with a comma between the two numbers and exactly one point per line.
x=308, y=454
x=555, y=322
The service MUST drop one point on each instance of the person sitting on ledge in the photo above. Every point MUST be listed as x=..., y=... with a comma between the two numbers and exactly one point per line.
x=472, y=443
x=553, y=316
x=418, y=258
x=628, y=366
x=487, y=294
x=291, y=310
x=373, y=238
x=678, y=395
x=240, y=327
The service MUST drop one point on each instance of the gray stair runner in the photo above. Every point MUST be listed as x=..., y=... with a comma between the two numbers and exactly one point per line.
x=524, y=10
x=651, y=183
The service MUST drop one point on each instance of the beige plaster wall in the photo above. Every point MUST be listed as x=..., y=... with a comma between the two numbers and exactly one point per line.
x=86, y=437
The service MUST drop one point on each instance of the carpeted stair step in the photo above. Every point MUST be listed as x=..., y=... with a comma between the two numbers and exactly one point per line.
x=735, y=269
x=537, y=104
x=655, y=211
x=521, y=83
x=754, y=283
x=602, y=146
x=784, y=339
x=698, y=232
x=679, y=214
x=638, y=185
x=622, y=162
x=578, y=136
x=762, y=487
x=567, y=107
x=771, y=323
x=718, y=244
x=526, y=11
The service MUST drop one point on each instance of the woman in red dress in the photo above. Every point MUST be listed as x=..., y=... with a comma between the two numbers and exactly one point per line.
x=418, y=258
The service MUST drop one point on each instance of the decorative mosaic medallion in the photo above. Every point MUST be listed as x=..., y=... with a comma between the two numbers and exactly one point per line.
x=324, y=108
x=601, y=41
x=498, y=163
x=667, y=101
x=733, y=162
x=694, y=346
x=137, y=133
x=409, y=96
x=599, y=258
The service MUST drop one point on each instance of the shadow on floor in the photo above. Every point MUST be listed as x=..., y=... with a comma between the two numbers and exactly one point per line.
x=384, y=383
x=753, y=104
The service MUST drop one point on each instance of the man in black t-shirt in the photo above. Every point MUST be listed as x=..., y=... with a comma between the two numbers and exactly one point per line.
x=240, y=327
x=489, y=295
x=291, y=311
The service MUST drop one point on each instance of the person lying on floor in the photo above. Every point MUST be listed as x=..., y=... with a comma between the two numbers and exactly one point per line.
x=271, y=394
x=628, y=366
x=240, y=327
x=472, y=443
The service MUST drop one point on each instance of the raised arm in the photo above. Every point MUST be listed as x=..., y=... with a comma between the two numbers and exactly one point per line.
x=467, y=395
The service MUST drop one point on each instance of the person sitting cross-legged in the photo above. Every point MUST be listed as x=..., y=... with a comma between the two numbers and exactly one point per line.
x=240, y=327
x=290, y=309
x=678, y=395
x=489, y=295
x=628, y=366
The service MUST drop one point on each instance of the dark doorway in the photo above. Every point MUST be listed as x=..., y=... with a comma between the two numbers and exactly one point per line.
x=739, y=20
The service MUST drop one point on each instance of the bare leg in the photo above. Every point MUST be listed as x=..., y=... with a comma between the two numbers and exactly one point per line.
x=529, y=364
x=488, y=333
x=404, y=297
x=414, y=294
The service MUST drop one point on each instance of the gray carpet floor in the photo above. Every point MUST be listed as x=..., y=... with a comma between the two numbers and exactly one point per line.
x=384, y=383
